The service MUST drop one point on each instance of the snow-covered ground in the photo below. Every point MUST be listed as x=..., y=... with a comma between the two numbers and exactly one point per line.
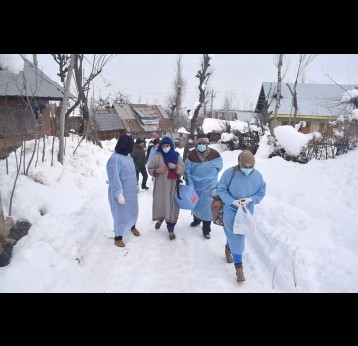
x=306, y=239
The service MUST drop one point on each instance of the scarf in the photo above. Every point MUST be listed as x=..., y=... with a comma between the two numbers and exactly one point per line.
x=124, y=145
x=202, y=156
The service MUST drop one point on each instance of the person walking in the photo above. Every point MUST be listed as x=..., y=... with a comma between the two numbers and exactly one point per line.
x=140, y=160
x=122, y=194
x=151, y=144
x=166, y=165
x=247, y=188
x=188, y=146
x=201, y=170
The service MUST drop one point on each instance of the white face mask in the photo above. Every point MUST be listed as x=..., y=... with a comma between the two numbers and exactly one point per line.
x=166, y=149
x=190, y=141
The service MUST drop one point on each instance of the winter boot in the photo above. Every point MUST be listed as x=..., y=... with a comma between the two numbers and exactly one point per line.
x=119, y=243
x=172, y=235
x=196, y=222
x=239, y=272
x=135, y=232
x=228, y=255
x=158, y=224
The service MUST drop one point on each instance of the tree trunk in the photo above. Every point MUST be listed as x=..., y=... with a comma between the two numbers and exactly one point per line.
x=63, y=110
x=279, y=80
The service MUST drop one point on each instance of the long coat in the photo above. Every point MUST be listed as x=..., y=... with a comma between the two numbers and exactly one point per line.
x=242, y=186
x=164, y=205
x=122, y=180
x=204, y=177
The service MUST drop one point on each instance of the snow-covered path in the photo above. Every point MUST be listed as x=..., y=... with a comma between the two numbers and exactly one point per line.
x=307, y=233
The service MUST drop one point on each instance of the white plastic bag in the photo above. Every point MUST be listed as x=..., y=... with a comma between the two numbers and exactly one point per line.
x=244, y=222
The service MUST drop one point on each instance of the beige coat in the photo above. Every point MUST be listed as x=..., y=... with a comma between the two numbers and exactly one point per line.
x=164, y=205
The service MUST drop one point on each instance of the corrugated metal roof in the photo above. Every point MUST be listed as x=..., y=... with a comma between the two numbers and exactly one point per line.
x=129, y=116
x=312, y=99
x=31, y=81
x=108, y=121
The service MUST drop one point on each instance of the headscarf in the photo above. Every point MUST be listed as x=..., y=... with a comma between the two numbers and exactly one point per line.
x=246, y=157
x=124, y=145
x=171, y=155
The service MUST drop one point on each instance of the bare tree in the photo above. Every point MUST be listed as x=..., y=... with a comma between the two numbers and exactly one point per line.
x=62, y=61
x=175, y=99
x=97, y=64
x=203, y=76
x=228, y=101
x=278, y=64
x=61, y=135
x=304, y=61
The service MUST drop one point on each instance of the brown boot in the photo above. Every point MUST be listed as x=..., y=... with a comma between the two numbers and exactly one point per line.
x=135, y=232
x=239, y=272
x=119, y=243
x=228, y=255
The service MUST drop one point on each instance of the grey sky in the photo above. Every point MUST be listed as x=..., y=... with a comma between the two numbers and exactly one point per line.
x=148, y=77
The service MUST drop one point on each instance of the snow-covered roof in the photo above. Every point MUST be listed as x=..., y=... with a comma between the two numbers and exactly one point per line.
x=217, y=125
x=31, y=81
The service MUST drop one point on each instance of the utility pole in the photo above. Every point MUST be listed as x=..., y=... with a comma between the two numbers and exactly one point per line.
x=34, y=59
x=212, y=95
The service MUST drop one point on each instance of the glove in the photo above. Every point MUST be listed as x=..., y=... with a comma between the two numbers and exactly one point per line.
x=245, y=201
x=236, y=203
x=121, y=199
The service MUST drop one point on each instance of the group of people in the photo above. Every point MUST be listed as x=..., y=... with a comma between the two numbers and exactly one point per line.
x=239, y=185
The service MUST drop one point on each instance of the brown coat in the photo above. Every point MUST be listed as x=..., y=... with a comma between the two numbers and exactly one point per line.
x=164, y=205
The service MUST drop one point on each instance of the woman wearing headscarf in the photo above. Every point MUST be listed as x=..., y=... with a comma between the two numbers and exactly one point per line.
x=122, y=189
x=165, y=166
x=247, y=188
x=201, y=170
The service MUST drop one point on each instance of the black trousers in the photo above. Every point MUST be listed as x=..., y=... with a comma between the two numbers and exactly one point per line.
x=143, y=171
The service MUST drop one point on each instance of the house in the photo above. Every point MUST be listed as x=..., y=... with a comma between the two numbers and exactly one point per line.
x=140, y=120
x=316, y=103
x=231, y=115
x=107, y=123
x=24, y=105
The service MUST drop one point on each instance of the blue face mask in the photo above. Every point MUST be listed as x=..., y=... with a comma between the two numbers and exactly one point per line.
x=166, y=149
x=246, y=171
x=201, y=147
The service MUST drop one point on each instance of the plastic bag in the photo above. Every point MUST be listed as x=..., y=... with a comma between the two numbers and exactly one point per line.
x=244, y=222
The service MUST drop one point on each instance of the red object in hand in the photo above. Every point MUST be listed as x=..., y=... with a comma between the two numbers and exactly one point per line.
x=171, y=175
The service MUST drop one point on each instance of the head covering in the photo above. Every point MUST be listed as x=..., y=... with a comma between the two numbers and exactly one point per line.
x=124, y=145
x=154, y=135
x=202, y=138
x=171, y=155
x=246, y=157
x=139, y=140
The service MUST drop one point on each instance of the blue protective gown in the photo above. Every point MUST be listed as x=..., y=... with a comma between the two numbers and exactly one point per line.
x=204, y=177
x=122, y=180
x=242, y=186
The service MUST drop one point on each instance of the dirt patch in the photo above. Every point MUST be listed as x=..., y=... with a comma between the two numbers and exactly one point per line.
x=20, y=229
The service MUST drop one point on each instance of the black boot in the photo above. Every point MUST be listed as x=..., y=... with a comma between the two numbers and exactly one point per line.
x=196, y=222
x=206, y=229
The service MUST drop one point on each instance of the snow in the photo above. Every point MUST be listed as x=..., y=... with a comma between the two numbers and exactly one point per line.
x=306, y=222
x=211, y=125
x=291, y=140
x=12, y=62
x=183, y=130
x=349, y=95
